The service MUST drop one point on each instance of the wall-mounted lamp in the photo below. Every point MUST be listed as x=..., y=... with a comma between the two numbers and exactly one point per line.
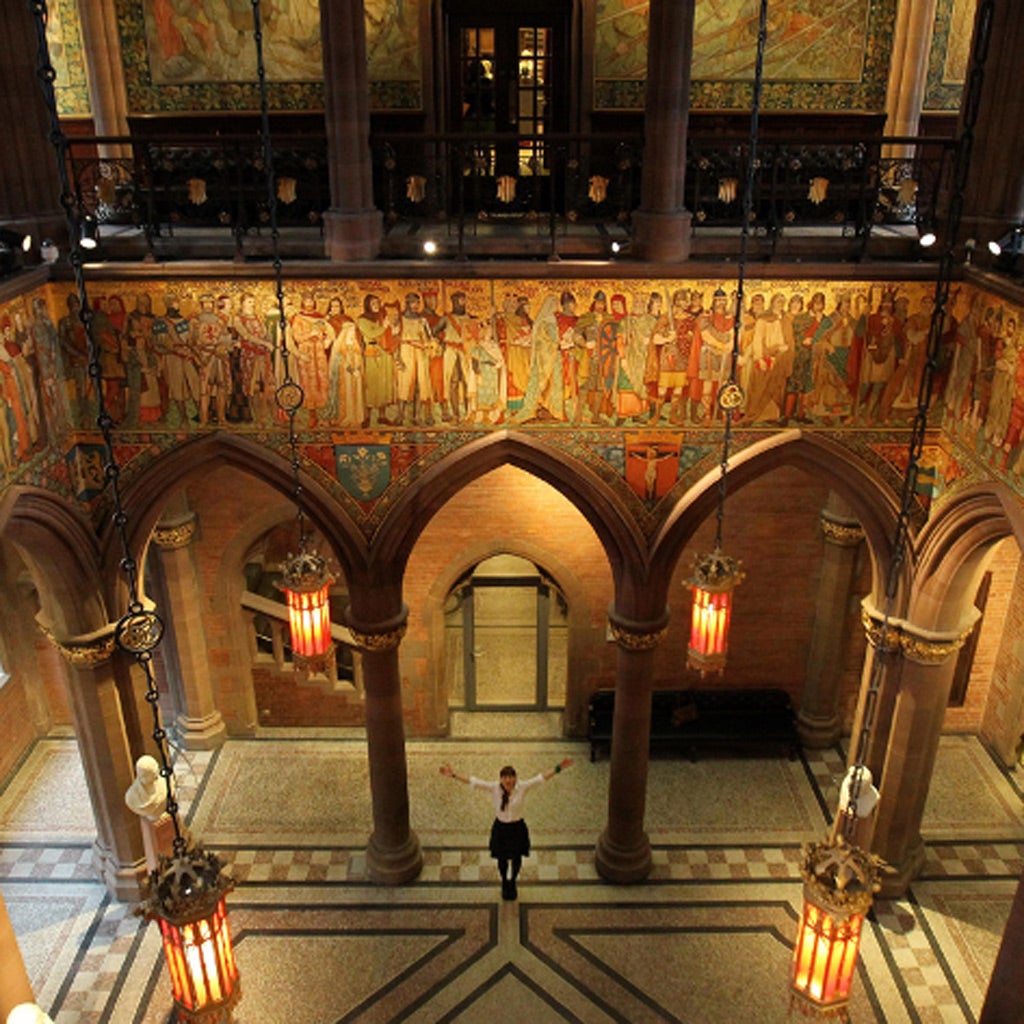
x=90, y=232
x=430, y=247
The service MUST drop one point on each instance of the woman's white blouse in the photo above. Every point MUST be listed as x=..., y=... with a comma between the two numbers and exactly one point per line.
x=514, y=810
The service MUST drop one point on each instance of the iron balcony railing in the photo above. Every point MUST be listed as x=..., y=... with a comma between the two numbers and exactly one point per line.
x=510, y=195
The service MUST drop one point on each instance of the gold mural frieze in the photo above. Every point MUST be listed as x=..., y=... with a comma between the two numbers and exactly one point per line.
x=87, y=651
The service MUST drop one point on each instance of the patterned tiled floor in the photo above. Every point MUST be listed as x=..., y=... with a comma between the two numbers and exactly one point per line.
x=706, y=939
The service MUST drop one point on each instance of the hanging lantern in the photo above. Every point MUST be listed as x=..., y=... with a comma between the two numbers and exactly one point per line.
x=306, y=583
x=840, y=881
x=714, y=578
x=186, y=896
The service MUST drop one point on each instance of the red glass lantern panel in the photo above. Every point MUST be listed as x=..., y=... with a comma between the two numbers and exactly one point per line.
x=201, y=961
x=715, y=577
x=825, y=956
x=309, y=621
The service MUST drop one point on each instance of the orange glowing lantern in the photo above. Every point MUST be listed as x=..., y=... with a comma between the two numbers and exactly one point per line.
x=714, y=578
x=306, y=583
x=186, y=897
x=839, y=884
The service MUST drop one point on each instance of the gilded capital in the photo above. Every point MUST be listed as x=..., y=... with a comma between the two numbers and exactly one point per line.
x=177, y=533
x=873, y=630
x=631, y=639
x=84, y=651
x=931, y=650
x=842, y=533
x=376, y=642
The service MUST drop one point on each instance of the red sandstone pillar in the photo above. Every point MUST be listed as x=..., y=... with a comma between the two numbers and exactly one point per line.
x=393, y=855
x=199, y=721
x=661, y=227
x=929, y=661
x=352, y=226
x=818, y=721
x=624, y=850
x=29, y=184
x=109, y=768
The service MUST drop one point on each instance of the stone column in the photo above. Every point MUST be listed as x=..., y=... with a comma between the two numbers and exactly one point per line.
x=818, y=720
x=29, y=183
x=118, y=856
x=198, y=720
x=624, y=850
x=1002, y=1000
x=108, y=96
x=994, y=197
x=393, y=855
x=908, y=70
x=929, y=661
x=661, y=227
x=352, y=226
x=15, y=988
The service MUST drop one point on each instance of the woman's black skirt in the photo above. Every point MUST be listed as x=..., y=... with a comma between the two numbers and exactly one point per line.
x=509, y=839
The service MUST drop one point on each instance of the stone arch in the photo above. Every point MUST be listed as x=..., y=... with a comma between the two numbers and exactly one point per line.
x=619, y=535
x=952, y=549
x=872, y=501
x=466, y=559
x=145, y=499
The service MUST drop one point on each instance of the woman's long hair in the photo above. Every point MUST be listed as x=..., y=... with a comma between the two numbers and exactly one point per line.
x=506, y=771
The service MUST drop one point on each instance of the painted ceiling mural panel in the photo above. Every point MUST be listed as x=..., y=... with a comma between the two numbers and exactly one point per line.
x=199, y=55
x=820, y=55
x=949, y=55
x=64, y=38
x=621, y=375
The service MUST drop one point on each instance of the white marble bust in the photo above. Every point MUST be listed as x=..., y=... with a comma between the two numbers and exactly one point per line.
x=147, y=795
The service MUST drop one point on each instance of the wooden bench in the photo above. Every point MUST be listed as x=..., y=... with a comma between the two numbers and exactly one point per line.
x=687, y=722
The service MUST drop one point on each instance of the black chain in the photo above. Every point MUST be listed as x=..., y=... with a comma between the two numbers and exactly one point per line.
x=748, y=206
x=289, y=395
x=138, y=631
x=947, y=263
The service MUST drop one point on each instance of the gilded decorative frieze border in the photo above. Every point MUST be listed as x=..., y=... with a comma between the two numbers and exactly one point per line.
x=844, y=534
x=84, y=652
x=175, y=535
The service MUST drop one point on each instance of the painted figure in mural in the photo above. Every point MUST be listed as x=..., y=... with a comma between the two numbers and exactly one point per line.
x=74, y=348
x=566, y=319
x=461, y=333
x=47, y=348
x=25, y=340
x=1013, y=439
x=15, y=338
x=489, y=367
x=172, y=343
x=415, y=396
x=748, y=322
x=881, y=339
x=1004, y=374
x=771, y=359
x=212, y=337
x=308, y=329
x=673, y=350
x=253, y=366
x=379, y=342
x=831, y=398
x=112, y=363
x=902, y=390
x=545, y=393
x=713, y=343
x=352, y=383
x=588, y=377
x=144, y=402
x=515, y=327
x=634, y=346
x=436, y=323
x=803, y=326
x=965, y=359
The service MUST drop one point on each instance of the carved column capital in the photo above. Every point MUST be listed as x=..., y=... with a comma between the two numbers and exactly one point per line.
x=379, y=636
x=928, y=648
x=637, y=636
x=176, y=532
x=85, y=651
x=872, y=622
x=841, y=532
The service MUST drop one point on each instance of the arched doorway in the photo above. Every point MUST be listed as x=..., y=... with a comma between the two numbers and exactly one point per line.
x=506, y=638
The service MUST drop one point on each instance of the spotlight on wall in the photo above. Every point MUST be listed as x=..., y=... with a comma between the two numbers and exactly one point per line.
x=15, y=239
x=1008, y=249
x=90, y=237
x=927, y=238
x=430, y=247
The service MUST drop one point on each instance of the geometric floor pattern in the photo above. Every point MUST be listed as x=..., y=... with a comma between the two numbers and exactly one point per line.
x=705, y=940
